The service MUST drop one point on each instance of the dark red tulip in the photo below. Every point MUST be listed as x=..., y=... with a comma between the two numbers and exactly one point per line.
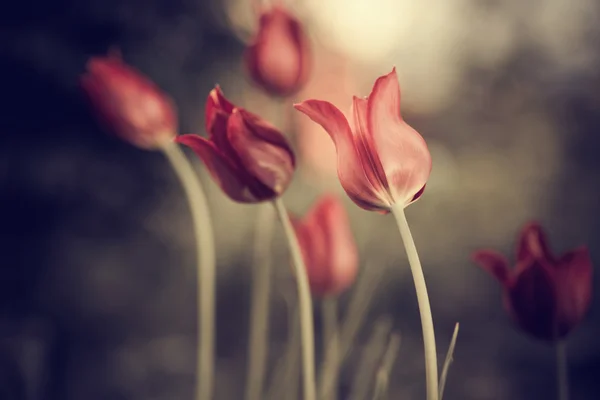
x=546, y=296
x=248, y=157
x=381, y=159
x=129, y=103
x=328, y=246
x=278, y=60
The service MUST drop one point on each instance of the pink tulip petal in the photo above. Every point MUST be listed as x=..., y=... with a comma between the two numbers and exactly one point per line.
x=532, y=301
x=216, y=112
x=350, y=165
x=342, y=255
x=221, y=169
x=267, y=132
x=402, y=151
x=533, y=243
x=269, y=164
x=574, y=284
x=494, y=263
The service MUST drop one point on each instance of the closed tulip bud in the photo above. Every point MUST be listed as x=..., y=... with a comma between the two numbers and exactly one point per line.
x=546, y=296
x=129, y=104
x=278, y=60
x=328, y=247
x=248, y=157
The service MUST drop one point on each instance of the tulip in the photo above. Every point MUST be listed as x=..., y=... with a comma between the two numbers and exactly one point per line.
x=328, y=247
x=278, y=60
x=130, y=105
x=248, y=157
x=547, y=297
x=382, y=161
x=383, y=165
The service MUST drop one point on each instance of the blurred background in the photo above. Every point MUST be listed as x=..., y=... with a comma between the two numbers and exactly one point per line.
x=96, y=245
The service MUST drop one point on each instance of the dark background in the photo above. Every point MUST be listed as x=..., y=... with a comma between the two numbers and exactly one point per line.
x=96, y=247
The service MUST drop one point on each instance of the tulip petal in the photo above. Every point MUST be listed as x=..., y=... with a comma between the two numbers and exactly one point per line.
x=342, y=257
x=351, y=169
x=402, y=151
x=533, y=243
x=494, y=263
x=271, y=165
x=574, y=285
x=221, y=169
x=532, y=300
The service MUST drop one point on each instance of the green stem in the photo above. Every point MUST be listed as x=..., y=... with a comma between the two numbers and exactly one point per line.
x=206, y=268
x=384, y=371
x=259, y=313
x=561, y=371
x=331, y=342
x=431, y=369
x=448, y=361
x=304, y=304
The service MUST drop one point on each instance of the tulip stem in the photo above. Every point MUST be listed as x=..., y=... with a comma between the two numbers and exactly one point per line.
x=331, y=344
x=259, y=312
x=448, y=361
x=304, y=304
x=561, y=371
x=431, y=368
x=206, y=268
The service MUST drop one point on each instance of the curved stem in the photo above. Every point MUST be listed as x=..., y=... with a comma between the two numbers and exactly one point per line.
x=304, y=304
x=448, y=361
x=259, y=313
x=431, y=369
x=206, y=268
x=331, y=342
x=562, y=380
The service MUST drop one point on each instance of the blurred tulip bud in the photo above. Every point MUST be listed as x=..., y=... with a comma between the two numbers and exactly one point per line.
x=278, y=60
x=547, y=297
x=129, y=104
x=328, y=247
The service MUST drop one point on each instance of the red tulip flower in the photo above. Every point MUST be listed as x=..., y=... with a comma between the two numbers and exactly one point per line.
x=381, y=159
x=278, y=60
x=546, y=296
x=130, y=105
x=248, y=157
x=328, y=247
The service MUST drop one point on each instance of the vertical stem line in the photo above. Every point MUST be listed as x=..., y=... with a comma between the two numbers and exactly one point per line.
x=259, y=312
x=304, y=304
x=562, y=377
x=431, y=369
x=206, y=269
x=331, y=346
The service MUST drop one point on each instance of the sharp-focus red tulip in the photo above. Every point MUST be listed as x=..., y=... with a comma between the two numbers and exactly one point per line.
x=381, y=159
x=248, y=157
x=278, y=60
x=131, y=105
x=328, y=247
x=546, y=296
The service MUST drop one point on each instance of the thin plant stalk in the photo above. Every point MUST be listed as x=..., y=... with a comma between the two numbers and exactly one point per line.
x=370, y=358
x=448, y=360
x=562, y=380
x=284, y=383
x=357, y=309
x=259, y=312
x=304, y=304
x=206, y=269
x=431, y=369
x=331, y=341
x=383, y=374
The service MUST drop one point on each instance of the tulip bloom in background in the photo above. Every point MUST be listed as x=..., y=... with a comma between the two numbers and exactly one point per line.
x=547, y=297
x=331, y=259
x=383, y=165
x=278, y=60
x=131, y=106
x=252, y=162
